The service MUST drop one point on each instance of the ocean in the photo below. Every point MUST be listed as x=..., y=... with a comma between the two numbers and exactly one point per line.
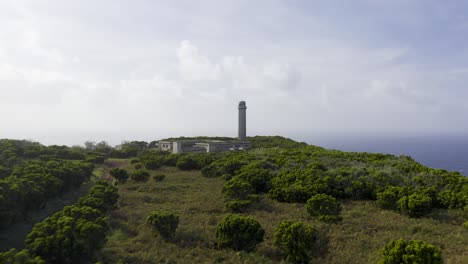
x=442, y=152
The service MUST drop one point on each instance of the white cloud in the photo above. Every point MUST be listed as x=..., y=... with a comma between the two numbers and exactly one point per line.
x=194, y=66
x=233, y=73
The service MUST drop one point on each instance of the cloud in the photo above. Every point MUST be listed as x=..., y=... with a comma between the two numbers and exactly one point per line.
x=385, y=91
x=193, y=66
x=233, y=73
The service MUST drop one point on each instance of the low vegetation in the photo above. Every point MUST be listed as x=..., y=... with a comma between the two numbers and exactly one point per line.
x=71, y=235
x=325, y=207
x=120, y=175
x=164, y=223
x=409, y=252
x=140, y=176
x=294, y=203
x=239, y=233
x=296, y=240
x=32, y=174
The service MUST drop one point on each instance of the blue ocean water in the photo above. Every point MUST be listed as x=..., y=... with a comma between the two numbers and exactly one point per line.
x=443, y=152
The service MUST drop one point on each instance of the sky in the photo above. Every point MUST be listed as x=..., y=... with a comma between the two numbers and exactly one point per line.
x=72, y=71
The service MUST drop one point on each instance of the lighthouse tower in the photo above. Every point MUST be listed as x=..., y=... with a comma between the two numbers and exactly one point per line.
x=242, y=133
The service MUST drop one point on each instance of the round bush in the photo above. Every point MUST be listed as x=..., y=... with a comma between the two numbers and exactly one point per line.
x=165, y=223
x=296, y=240
x=409, y=252
x=151, y=164
x=237, y=188
x=140, y=175
x=239, y=233
x=258, y=178
x=325, y=207
x=138, y=166
x=388, y=199
x=415, y=205
x=119, y=174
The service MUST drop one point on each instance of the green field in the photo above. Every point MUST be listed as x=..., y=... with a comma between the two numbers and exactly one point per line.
x=198, y=201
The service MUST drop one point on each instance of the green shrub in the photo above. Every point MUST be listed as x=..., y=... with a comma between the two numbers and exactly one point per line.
x=239, y=194
x=12, y=256
x=237, y=188
x=138, y=166
x=119, y=174
x=69, y=236
x=325, y=207
x=165, y=223
x=258, y=178
x=388, y=199
x=151, y=164
x=186, y=163
x=465, y=225
x=296, y=240
x=140, y=175
x=297, y=186
x=225, y=166
x=159, y=177
x=415, y=205
x=239, y=233
x=410, y=252
x=238, y=205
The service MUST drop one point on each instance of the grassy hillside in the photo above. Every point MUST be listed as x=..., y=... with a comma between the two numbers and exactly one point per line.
x=358, y=238
x=340, y=207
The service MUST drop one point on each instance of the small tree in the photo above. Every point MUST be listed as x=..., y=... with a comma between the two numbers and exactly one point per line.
x=239, y=233
x=119, y=174
x=165, y=223
x=140, y=175
x=325, y=207
x=415, y=205
x=296, y=240
x=409, y=252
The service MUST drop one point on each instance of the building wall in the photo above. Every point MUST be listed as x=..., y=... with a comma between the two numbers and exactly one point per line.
x=228, y=146
x=202, y=147
x=165, y=145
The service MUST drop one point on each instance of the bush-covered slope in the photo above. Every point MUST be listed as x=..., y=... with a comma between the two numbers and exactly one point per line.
x=347, y=206
x=31, y=174
x=373, y=199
